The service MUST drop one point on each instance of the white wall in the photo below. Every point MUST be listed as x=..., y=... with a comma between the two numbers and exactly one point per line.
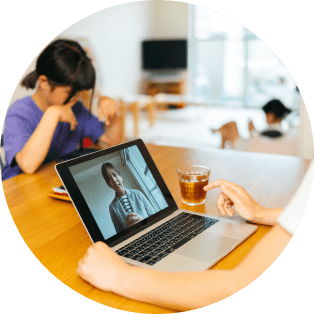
x=306, y=149
x=169, y=19
x=21, y=91
x=115, y=36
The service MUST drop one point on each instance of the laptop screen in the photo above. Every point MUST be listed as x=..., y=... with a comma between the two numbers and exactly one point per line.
x=117, y=191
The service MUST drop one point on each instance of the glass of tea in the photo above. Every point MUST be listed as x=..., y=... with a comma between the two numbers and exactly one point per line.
x=192, y=179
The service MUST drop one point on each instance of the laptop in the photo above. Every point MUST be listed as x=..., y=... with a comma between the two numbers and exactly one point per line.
x=150, y=230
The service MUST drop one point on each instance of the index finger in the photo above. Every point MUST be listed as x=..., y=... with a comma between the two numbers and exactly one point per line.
x=218, y=183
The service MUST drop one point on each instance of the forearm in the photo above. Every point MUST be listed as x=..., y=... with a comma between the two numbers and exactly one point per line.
x=180, y=291
x=36, y=148
x=192, y=290
x=267, y=216
x=263, y=254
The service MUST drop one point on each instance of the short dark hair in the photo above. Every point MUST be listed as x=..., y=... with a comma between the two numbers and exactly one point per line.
x=65, y=63
x=104, y=172
x=276, y=107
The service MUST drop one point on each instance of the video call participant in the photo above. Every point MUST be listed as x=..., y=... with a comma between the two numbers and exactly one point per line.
x=129, y=206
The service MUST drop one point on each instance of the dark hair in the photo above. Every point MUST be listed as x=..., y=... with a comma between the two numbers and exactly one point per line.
x=276, y=107
x=104, y=171
x=65, y=63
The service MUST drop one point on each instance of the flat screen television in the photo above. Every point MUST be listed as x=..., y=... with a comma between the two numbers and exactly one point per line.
x=164, y=54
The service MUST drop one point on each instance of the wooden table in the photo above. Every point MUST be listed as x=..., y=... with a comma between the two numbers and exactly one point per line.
x=53, y=231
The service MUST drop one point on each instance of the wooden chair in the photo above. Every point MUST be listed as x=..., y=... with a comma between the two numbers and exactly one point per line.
x=124, y=109
x=151, y=112
x=229, y=133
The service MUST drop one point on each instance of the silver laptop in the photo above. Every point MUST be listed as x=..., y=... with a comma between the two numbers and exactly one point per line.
x=123, y=201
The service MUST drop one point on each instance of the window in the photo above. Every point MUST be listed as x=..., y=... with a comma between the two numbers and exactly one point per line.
x=135, y=161
x=231, y=66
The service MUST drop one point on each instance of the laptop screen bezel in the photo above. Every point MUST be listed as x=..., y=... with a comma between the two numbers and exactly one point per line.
x=83, y=208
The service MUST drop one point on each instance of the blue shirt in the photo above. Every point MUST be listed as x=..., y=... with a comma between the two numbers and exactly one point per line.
x=21, y=121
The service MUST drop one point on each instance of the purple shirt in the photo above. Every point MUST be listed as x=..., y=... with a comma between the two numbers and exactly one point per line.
x=21, y=121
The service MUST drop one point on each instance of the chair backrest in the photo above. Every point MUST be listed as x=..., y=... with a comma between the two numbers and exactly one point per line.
x=229, y=132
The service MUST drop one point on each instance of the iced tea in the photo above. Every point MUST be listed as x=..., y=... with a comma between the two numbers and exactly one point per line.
x=192, y=191
x=192, y=179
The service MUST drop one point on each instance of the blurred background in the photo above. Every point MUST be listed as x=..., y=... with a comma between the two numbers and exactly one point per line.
x=180, y=71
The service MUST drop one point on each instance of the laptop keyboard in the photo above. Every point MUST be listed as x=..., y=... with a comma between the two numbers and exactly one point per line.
x=165, y=239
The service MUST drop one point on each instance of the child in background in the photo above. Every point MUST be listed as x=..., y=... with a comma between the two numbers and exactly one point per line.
x=52, y=122
x=275, y=112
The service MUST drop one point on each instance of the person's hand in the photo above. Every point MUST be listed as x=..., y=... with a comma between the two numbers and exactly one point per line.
x=101, y=267
x=107, y=109
x=65, y=113
x=236, y=196
x=133, y=218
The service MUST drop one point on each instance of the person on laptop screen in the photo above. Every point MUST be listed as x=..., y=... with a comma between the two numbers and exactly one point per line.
x=129, y=206
x=103, y=268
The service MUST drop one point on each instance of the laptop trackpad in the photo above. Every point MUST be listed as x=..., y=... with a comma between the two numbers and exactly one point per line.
x=208, y=247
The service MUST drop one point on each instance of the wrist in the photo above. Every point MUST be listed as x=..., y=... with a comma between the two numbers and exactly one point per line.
x=52, y=113
x=121, y=282
x=267, y=216
x=259, y=214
